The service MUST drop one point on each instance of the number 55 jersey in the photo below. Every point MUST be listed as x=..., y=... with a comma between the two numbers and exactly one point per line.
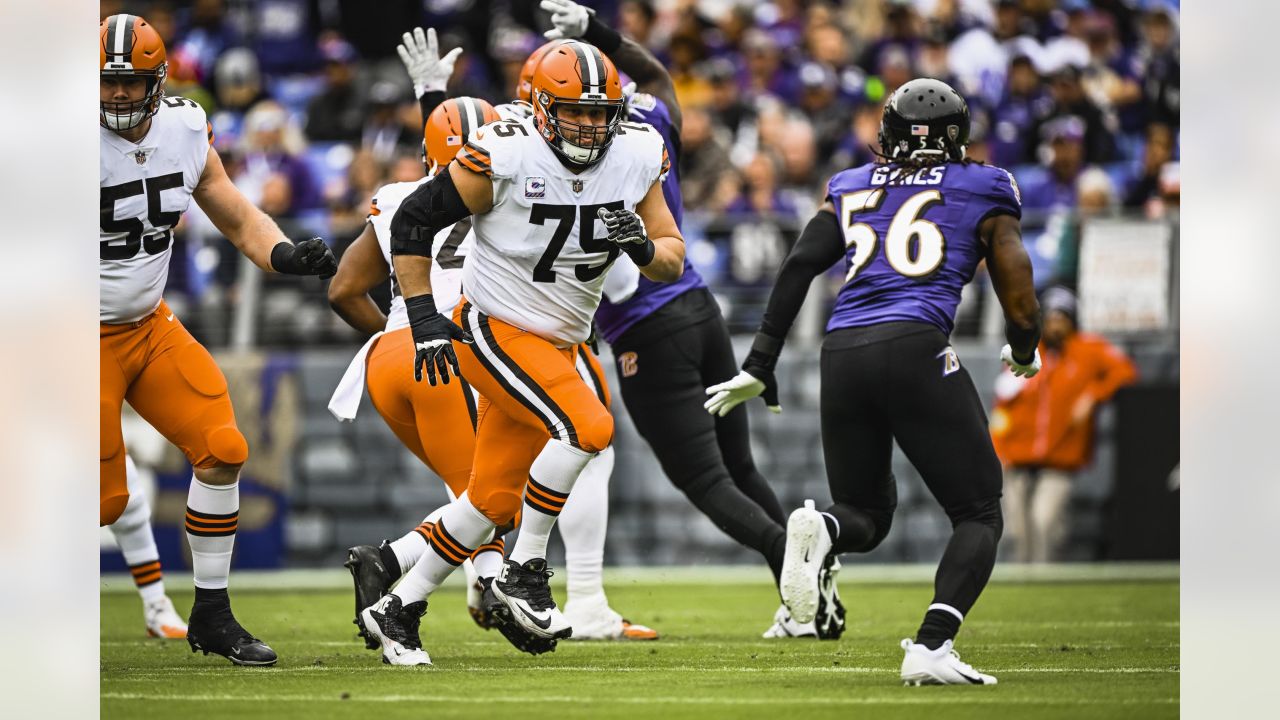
x=540, y=254
x=912, y=240
x=145, y=188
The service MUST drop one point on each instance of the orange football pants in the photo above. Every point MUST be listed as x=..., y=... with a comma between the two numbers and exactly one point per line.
x=436, y=423
x=174, y=384
x=532, y=391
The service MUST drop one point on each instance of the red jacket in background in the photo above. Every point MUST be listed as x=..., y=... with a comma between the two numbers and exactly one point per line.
x=1032, y=422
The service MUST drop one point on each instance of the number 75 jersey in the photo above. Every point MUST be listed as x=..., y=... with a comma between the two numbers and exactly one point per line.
x=145, y=188
x=541, y=254
x=912, y=240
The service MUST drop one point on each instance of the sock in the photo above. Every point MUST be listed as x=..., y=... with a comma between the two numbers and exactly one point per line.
x=455, y=536
x=408, y=548
x=137, y=543
x=583, y=524
x=551, y=478
x=487, y=559
x=213, y=512
x=941, y=623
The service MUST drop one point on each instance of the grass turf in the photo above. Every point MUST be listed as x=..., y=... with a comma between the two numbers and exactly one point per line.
x=1060, y=650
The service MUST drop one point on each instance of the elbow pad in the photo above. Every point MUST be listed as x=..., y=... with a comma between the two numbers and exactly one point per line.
x=431, y=208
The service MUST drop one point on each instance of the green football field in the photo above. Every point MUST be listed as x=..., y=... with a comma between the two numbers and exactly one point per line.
x=1094, y=649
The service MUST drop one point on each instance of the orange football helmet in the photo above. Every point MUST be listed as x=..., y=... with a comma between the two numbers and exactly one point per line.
x=449, y=125
x=575, y=73
x=524, y=88
x=128, y=45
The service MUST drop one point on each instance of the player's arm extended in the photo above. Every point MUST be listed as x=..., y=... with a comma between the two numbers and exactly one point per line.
x=1010, y=271
x=252, y=231
x=634, y=59
x=362, y=267
x=667, y=264
x=819, y=246
x=447, y=198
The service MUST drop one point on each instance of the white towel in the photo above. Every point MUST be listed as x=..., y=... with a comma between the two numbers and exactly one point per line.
x=346, y=397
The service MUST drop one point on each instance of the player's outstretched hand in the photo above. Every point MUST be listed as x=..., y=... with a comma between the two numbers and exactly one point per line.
x=309, y=257
x=433, y=336
x=569, y=18
x=626, y=230
x=744, y=386
x=420, y=54
x=1019, y=369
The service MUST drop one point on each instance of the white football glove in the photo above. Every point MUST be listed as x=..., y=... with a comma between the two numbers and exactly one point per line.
x=1027, y=371
x=729, y=395
x=420, y=54
x=569, y=18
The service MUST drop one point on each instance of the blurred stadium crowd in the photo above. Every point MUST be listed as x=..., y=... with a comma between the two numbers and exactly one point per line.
x=312, y=112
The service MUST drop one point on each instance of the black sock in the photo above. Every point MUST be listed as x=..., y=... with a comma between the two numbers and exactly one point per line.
x=938, y=627
x=205, y=596
x=389, y=560
x=774, y=556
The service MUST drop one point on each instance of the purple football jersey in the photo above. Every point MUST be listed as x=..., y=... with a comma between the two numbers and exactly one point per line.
x=912, y=239
x=612, y=320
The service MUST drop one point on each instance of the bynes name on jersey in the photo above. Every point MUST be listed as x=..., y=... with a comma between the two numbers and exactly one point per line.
x=895, y=176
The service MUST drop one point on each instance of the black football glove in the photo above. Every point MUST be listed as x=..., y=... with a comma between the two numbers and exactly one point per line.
x=309, y=257
x=433, y=336
x=626, y=230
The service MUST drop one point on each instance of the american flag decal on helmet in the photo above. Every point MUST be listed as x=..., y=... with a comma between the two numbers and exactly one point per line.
x=919, y=129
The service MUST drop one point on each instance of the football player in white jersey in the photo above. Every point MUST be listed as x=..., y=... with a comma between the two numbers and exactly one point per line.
x=584, y=521
x=132, y=532
x=538, y=190
x=156, y=155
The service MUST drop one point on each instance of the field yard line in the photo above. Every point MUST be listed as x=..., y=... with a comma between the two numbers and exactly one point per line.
x=665, y=643
x=810, y=669
x=955, y=698
x=852, y=573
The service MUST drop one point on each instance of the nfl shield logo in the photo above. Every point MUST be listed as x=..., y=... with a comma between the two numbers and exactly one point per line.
x=140, y=156
x=576, y=185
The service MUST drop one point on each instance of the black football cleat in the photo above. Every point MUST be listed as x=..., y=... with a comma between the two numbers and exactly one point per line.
x=829, y=622
x=395, y=627
x=372, y=581
x=525, y=591
x=497, y=615
x=212, y=628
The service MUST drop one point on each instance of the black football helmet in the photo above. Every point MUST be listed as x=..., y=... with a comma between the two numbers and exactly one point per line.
x=923, y=118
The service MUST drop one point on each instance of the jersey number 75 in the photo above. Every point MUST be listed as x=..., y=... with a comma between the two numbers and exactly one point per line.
x=565, y=215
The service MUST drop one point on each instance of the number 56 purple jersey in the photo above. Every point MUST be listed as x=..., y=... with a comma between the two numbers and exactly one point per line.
x=911, y=238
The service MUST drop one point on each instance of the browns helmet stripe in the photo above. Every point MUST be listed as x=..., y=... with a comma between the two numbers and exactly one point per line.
x=586, y=71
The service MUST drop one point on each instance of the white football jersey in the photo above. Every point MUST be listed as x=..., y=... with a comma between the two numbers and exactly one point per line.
x=145, y=188
x=448, y=249
x=541, y=253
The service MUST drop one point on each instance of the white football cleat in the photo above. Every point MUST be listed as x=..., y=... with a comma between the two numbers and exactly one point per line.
x=786, y=627
x=593, y=619
x=922, y=666
x=525, y=590
x=162, y=620
x=808, y=545
x=395, y=628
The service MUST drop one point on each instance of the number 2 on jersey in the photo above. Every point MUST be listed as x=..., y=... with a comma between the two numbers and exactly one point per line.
x=913, y=246
x=587, y=240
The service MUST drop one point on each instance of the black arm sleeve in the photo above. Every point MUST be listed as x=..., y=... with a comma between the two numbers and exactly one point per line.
x=434, y=206
x=429, y=101
x=601, y=35
x=818, y=248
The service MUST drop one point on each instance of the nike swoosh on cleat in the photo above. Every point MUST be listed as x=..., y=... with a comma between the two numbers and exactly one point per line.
x=543, y=623
x=975, y=681
x=236, y=651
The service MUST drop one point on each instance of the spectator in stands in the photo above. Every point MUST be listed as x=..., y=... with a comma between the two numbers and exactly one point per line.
x=384, y=133
x=764, y=73
x=1064, y=144
x=1095, y=195
x=336, y=114
x=727, y=106
x=820, y=101
x=1156, y=153
x=703, y=159
x=1160, y=63
x=1111, y=77
x=273, y=144
x=237, y=86
x=861, y=141
x=204, y=36
x=901, y=38
x=636, y=19
x=800, y=181
x=284, y=35
x=1042, y=428
x=1069, y=99
x=758, y=193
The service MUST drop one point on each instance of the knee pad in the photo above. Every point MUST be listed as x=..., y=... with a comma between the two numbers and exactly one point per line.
x=227, y=446
x=595, y=435
x=500, y=506
x=111, y=507
x=986, y=512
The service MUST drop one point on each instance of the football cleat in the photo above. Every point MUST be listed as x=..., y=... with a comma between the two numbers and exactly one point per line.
x=395, y=627
x=372, y=581
x=213, y=629
x=785, y=627
x=476, y=605
x=499, y=616
x=829, y=622
x=593, y=619
x=808, y=545
x=162, y=620
x=922, y=666
x=525, y=591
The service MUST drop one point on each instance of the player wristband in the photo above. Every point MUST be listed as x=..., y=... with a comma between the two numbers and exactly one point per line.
x=640, y=254
x=420, y=309
x=765, y=350
x=601, y=35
